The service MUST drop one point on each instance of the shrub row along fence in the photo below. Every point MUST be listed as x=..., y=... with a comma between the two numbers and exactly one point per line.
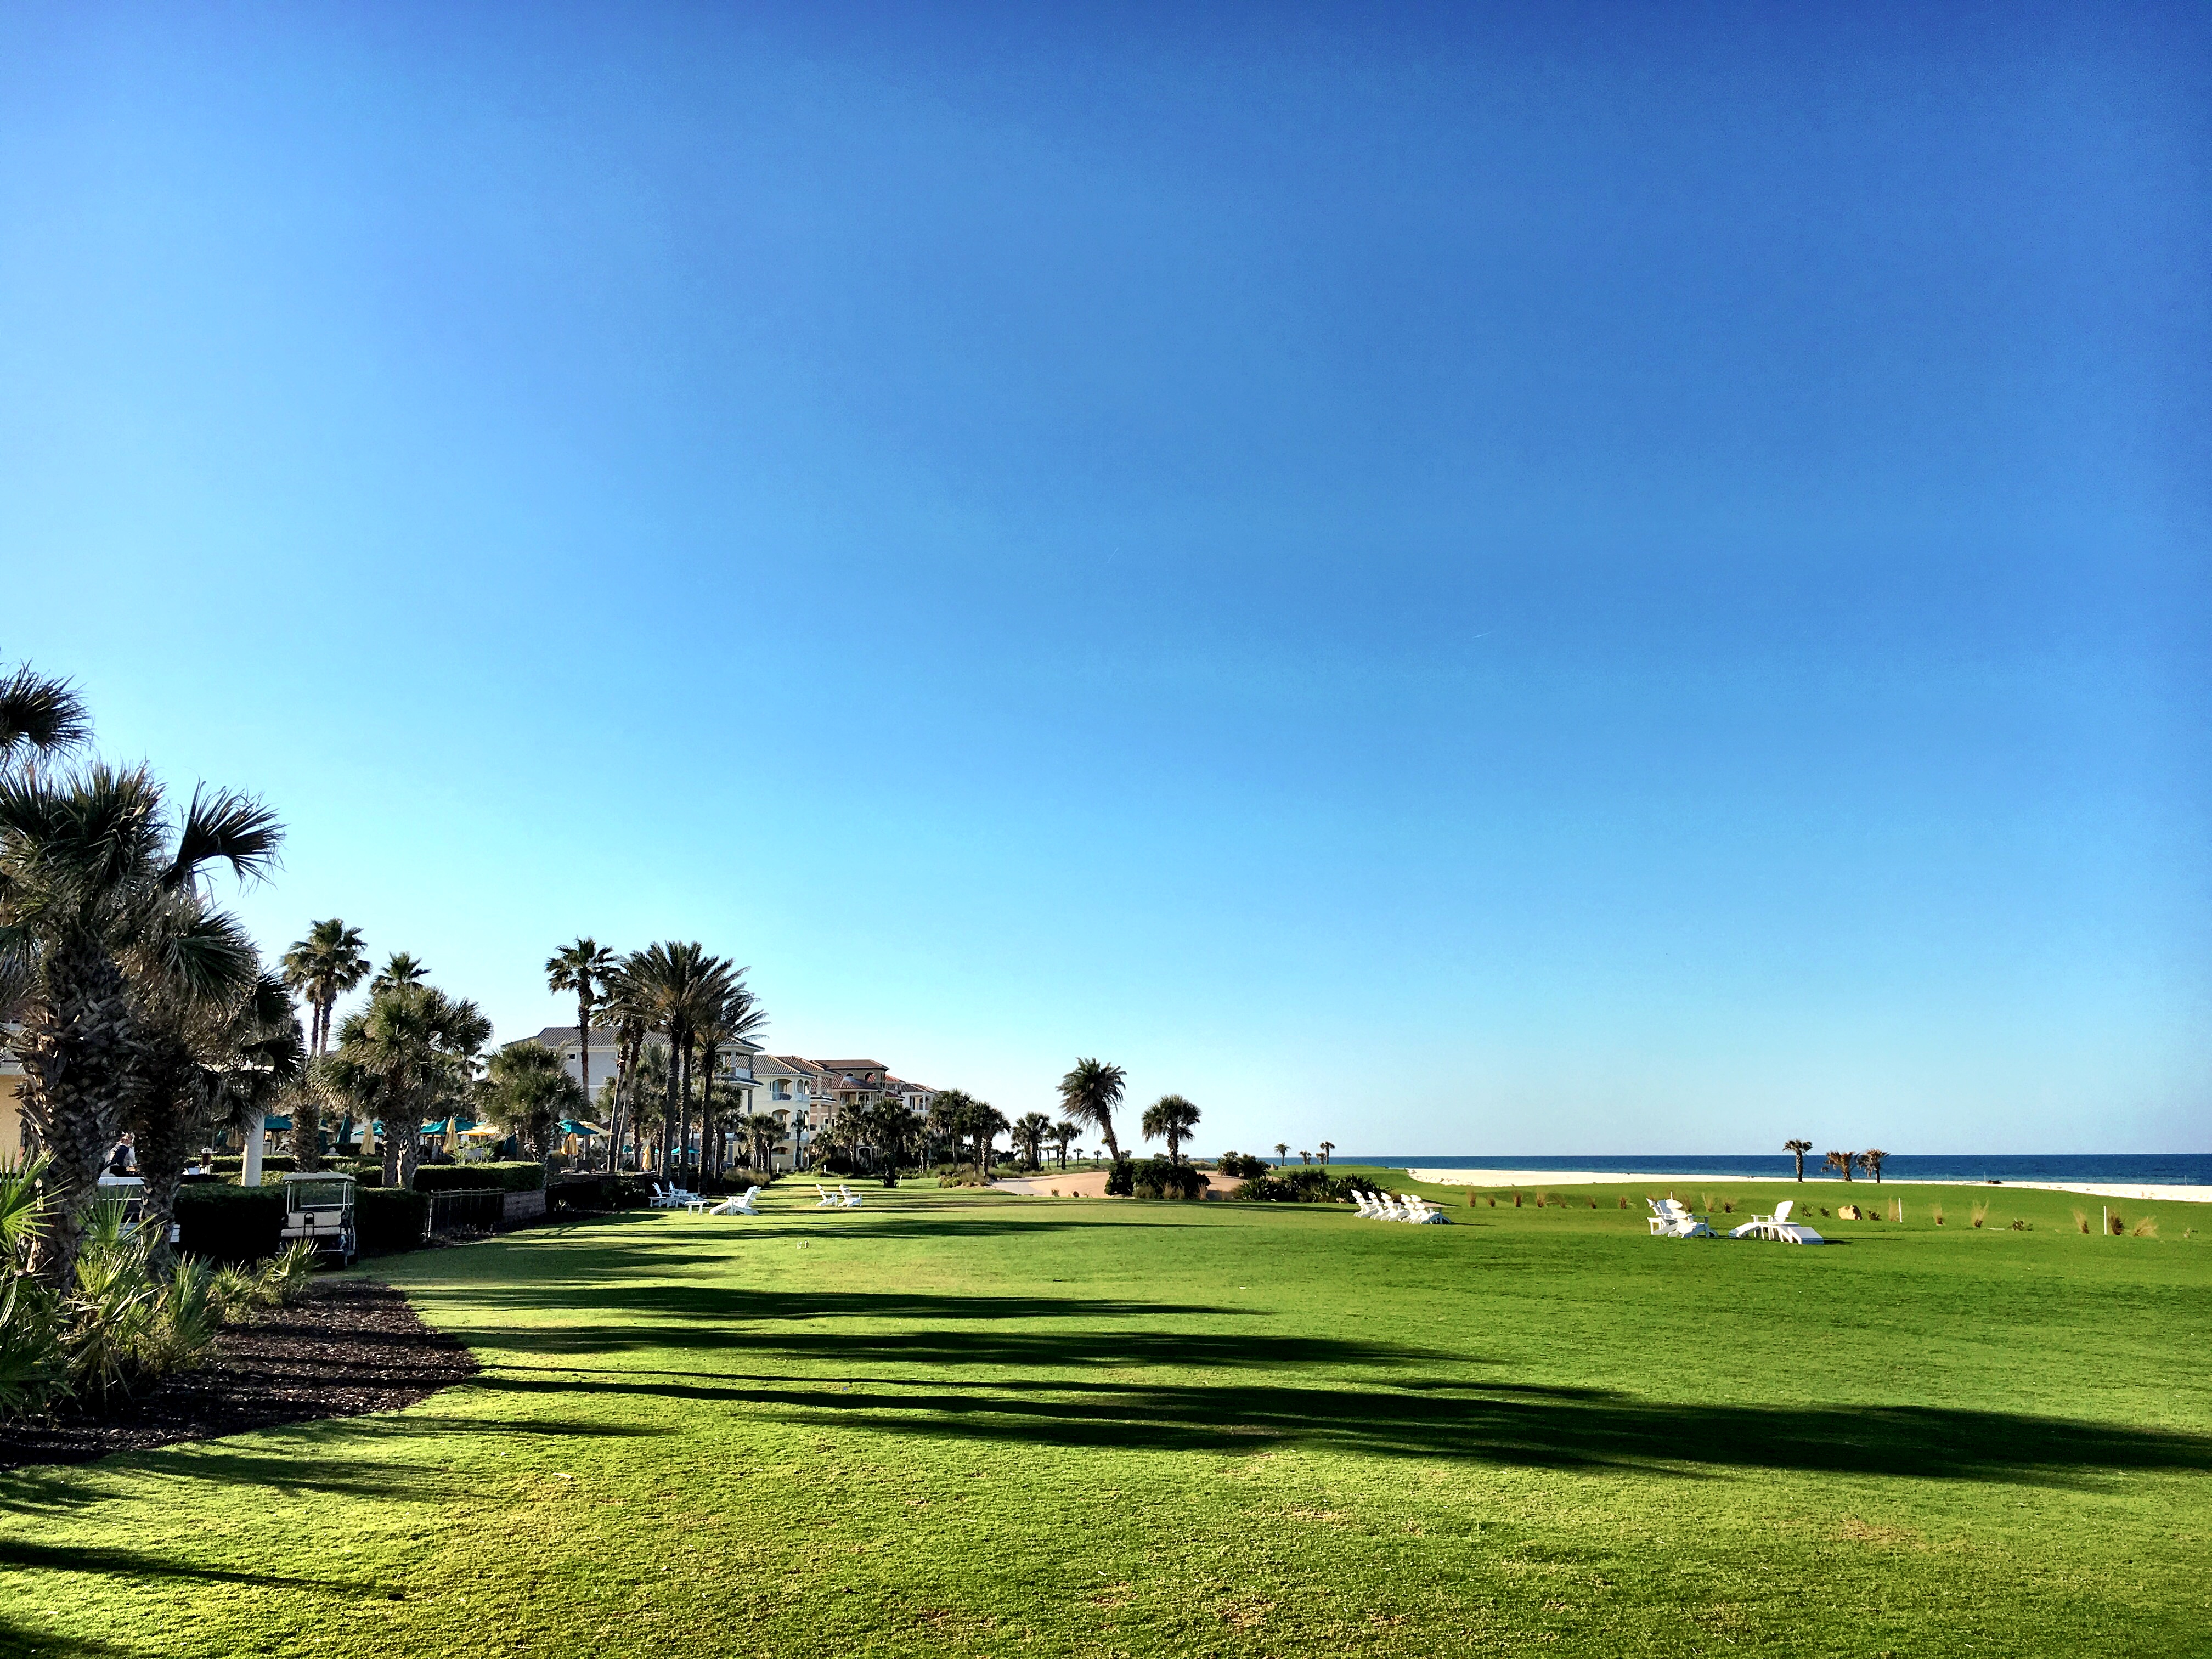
x=242, y=1223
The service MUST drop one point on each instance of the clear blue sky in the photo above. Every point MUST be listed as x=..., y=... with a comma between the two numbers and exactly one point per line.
x=1551, y=579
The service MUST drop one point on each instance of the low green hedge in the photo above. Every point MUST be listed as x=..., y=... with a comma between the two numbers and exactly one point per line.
x=526, y=1177
x=582, y=1194
x=386, y=1220
x=273, y=1161
x=225, y=1223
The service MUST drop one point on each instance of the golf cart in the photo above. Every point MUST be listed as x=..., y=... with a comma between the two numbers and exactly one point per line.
x=319, y=1206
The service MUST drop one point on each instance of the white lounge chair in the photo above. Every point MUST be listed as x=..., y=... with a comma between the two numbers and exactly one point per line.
x=1365, y=1202
x=664, y=1197
x=1424, y=1215
x=829, y=1200
x=847, y=1197
x=1778, y=1228
x=1404, y=1207
x=743, y=1204
x=1671, y=1218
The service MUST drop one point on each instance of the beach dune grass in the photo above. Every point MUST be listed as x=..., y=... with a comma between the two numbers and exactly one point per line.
x=961, y=1422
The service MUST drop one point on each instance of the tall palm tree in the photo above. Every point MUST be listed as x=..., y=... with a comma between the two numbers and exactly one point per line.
x=1326, y=1147
x=1088, y=1096
x=1282, y=1151
x=1871, y=1162
x=1797, y=1149
x=990, y=1124
x=624, y=1003
x=322, y=968
x=102, y=898
x=726, y=1020
x=761, y=1132
x=40, y=718
x=944, y=1123
x=1062, y=1135
x=1170, y=1118
x=682, y=985
x=415, y=1047
x=1845, y=1161
x=400, y=968
x=583, y=968
x=1032, y=1131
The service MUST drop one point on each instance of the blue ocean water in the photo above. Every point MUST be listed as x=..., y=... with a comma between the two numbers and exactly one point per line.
x=2146, y=1168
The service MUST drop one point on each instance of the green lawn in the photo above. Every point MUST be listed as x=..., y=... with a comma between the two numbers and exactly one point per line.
x=963, y=1423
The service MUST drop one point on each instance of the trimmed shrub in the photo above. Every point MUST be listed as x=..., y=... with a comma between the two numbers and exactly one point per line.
x=275, y=1161
x=1308, y=1184
x=225, y=1223
x=1122, y=1179
x=389, y=1218
x=520, y=1178
x=1243, y=1166
x=584, y=1194
x=1157, y=1178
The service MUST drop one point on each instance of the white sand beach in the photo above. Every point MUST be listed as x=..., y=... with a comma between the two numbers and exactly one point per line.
x=1579, y=1177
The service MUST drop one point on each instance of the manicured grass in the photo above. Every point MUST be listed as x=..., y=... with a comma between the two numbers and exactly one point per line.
x=962, y=1423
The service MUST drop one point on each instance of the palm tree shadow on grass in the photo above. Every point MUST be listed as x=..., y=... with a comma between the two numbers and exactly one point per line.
x=1476, y=1423
x=1432, y=1417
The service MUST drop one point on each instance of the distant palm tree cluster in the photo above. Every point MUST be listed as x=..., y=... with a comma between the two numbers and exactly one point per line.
x=676, y=1012
x=1847, y=1164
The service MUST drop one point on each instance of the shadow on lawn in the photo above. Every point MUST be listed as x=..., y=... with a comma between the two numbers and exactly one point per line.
x=1434, y=1418
x=22, y=1639
x=732, y=1316
x=1476, y=1424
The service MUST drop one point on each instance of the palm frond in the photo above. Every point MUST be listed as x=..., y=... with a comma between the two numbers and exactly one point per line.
x=44, y=716
x=225, y=824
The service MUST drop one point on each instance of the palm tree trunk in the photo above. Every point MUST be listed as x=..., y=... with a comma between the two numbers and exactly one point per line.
x=78, y=1052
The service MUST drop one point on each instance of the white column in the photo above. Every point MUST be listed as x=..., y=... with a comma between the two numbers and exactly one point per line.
x=250, y=1174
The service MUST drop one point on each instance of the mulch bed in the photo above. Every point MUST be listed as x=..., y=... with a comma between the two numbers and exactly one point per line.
x=352, y=1346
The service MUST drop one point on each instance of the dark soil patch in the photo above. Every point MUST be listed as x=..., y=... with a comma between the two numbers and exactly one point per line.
x=352, y=1346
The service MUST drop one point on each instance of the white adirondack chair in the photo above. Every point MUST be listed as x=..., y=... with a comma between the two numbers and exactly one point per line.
x=1671, y=1218
x=829, y=1200
x=847, y=1197
x=743, y=1204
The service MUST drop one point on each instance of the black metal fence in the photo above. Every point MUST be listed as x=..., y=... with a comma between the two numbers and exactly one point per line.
x=467, y=1212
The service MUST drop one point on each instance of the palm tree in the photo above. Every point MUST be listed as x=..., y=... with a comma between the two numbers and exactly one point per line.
x=39, y=718
x=761, y=1132
x=1062, y=1133
x=941, y=1126
x=582, y=968
x=195, y=1046
x=625, y=1003
x=1170, y=1118
x=1797, y=1149
x=102, y=902
x=1282, y=1151
x=1845, y=1161
x=1032, y=1131
x=322, y=968
x=682, y=986
x=527, y=1094
x=1326, y=1147
x=400, y=968
x=1871, y=1162
x=890, y=1127
x=727, y=1020
x=1088, y=1095
x=414, y=1046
